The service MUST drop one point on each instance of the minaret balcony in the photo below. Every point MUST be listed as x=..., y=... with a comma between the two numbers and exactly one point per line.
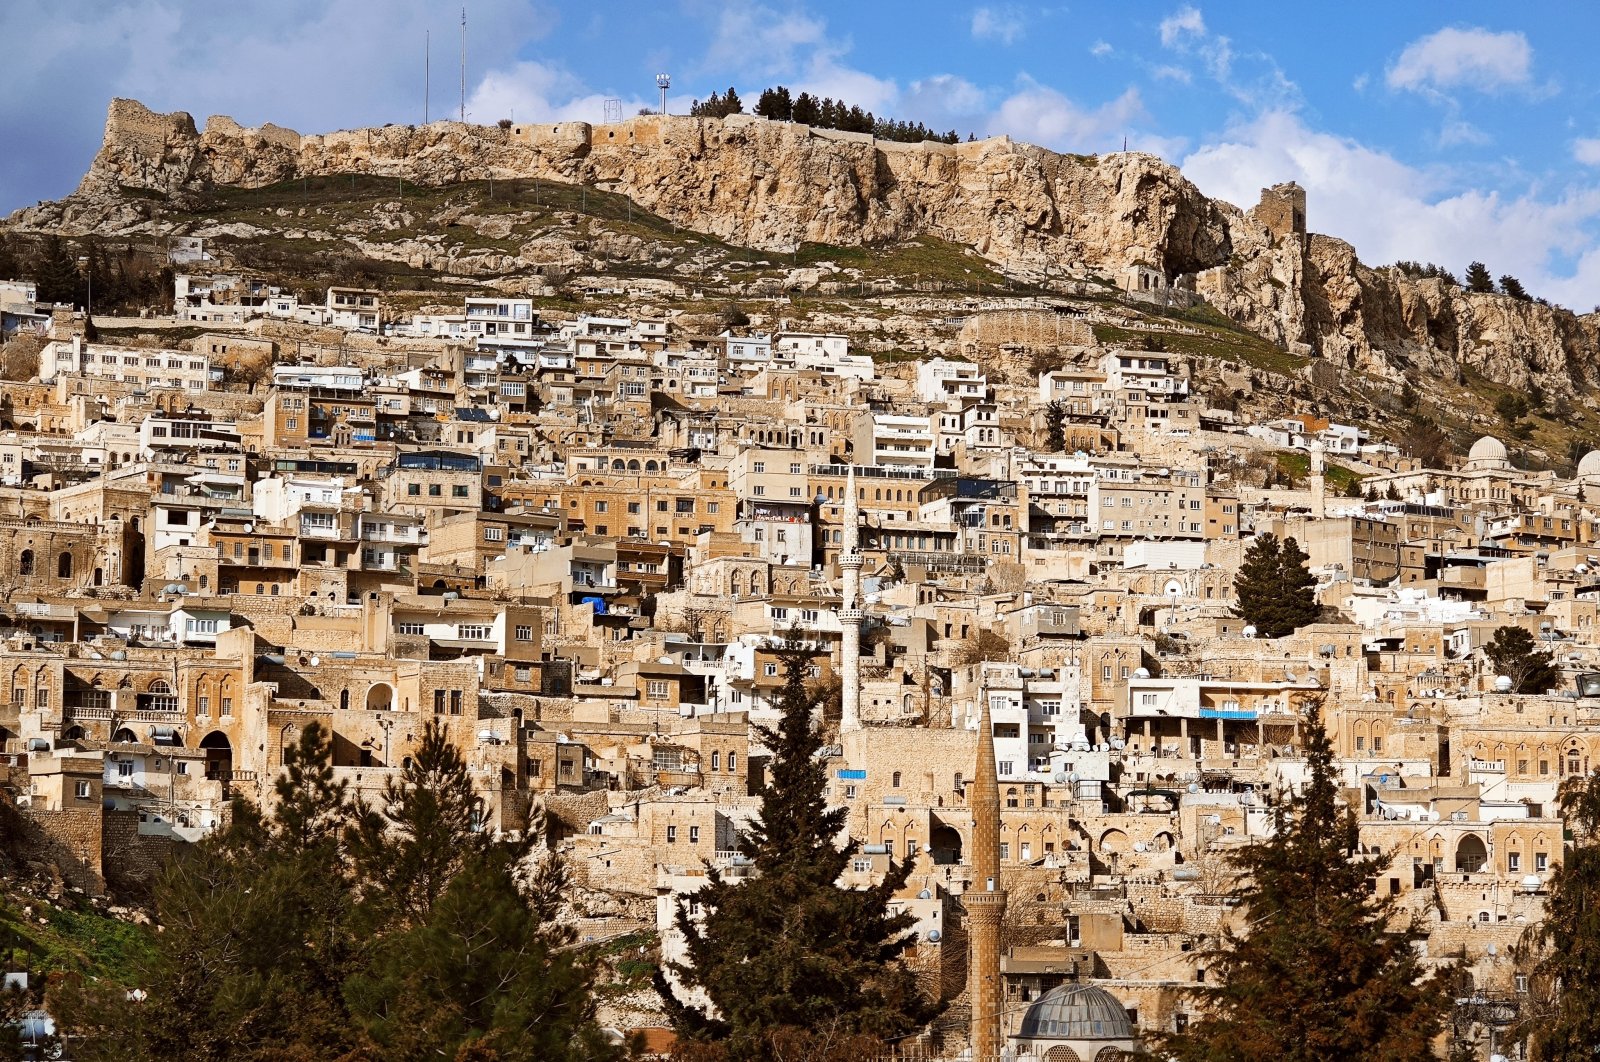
x=851, y=615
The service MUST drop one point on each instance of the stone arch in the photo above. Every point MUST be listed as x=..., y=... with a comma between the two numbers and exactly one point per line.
x=219, y=755
x=344, y=700
x=380, y=697
x=25, y=562
x=64, y=565
x=633, y=465
x=1114, y=842
x=1471, y=854
x=124, y=735
x=944, y=843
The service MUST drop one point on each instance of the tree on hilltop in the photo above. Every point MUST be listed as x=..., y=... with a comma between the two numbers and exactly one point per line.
x=1478, y=279
x=1510, y=285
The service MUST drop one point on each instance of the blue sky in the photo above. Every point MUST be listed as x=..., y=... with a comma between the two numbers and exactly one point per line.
x=1421, y=131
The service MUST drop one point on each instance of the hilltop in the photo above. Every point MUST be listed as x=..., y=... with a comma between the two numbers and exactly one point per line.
x=738, y=207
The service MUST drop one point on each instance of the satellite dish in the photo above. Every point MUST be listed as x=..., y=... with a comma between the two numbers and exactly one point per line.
x=1194, y=787
x=1503, y=684
x=1249, y=630
x=1060, y=777
x=316, y=660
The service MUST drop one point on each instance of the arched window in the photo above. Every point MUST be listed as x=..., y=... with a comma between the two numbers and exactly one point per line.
x=896, y=781
x=344, y=700
x=25, y=563
x=64, y=566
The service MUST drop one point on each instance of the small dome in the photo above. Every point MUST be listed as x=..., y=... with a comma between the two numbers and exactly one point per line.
x=1488, y=452
x=1076, y=1012
x=1589, y=467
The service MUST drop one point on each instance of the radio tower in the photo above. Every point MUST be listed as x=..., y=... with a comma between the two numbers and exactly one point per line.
x=463, y=63
x=663, y=82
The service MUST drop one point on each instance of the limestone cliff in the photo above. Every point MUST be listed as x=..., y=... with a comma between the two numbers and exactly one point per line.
x=771, y=185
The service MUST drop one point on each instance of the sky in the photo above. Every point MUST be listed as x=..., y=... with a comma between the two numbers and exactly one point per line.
x=1443, y=133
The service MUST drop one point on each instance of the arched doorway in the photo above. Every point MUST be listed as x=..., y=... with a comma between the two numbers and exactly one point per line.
x=380, y=698
x=64, y=565
x=1114, y=842
x=219, y=756
x=944, y=845
x=1471, y=854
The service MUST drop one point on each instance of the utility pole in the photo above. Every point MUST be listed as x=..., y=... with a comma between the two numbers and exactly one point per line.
x=463, y=63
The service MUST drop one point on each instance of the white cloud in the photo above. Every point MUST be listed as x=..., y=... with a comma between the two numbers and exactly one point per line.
x=1003, y=24
x=1587, y=150
x=1390, y=211
x=1456, y=131
x=1185, y=22
x=1172, y=73
x=1099, y=48
x=1041, y=115
x=1472, y=58
x=761, y=44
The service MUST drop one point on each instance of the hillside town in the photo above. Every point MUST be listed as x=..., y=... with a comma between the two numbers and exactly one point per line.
x=580, y=543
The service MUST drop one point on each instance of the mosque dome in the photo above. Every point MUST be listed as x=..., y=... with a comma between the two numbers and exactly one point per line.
x=1076, y=1012
x=1589, y=466
x=1488, y=452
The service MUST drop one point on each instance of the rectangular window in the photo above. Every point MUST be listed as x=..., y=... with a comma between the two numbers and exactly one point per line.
x=434, y=490
x=524, y=632
x=409, y=628
x=124, y=769
x=672, y=835
x=494, y=534
x=455, y=702
x=413, y=490
x=694, y=835
x=1005, y=851
x=82, y=790
x=472, y=631
x=733, y=761
x=459, y=491
x=655, y=689
x=438, y=702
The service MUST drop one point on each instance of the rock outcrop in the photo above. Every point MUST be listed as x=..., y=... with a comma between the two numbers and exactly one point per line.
x=772, y=185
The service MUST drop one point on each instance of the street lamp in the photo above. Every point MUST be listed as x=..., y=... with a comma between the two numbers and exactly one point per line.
x=88, y=270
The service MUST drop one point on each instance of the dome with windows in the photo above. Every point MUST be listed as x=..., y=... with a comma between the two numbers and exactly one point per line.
x=1589, y=466
x=1488, y=452
x=1076, y=1013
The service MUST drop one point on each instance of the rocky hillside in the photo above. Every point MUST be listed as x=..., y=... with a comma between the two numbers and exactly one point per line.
x=771, y=186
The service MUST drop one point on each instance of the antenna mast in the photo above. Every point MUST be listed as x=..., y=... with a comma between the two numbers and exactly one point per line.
x=463, y=63
x=663, y=82
x=427, y=72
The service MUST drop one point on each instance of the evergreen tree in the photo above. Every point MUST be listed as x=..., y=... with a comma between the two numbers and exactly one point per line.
x=1055, y=415
x=731, y=103
x=1510, y=285
x=807, y=111
x=1276, y=592
x=1478, y=279
x=1563, y=1021
x=789, y=948
x=775, y=104
x=1317, y=973
x=408, y=853
x=488, y=975
x=55, y=271
x=1512, y=652
x=255, y=945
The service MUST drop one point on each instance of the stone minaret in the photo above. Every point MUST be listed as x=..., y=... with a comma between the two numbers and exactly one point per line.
x=985, y=901
x=1319, y=483
x=850, y=614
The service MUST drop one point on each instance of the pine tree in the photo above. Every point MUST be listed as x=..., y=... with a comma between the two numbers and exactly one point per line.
x=789, y=948
x=55, y=271
x=806, y=110
x=1276, y=592
x=731, y=103
x=1478, y=279
x=1510, y=285
x=1055, y=415
x=1317, y=973
x=1563, y=1021
x=1512, y=652
x=256, y=941
x=409, y=853
x=488, y=975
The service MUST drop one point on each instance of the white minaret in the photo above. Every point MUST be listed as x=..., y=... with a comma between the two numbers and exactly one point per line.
x=850, y=614
x=1319, y=482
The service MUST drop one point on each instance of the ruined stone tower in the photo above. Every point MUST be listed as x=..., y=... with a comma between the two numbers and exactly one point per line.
x=985, y=901
x=1282, y=209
